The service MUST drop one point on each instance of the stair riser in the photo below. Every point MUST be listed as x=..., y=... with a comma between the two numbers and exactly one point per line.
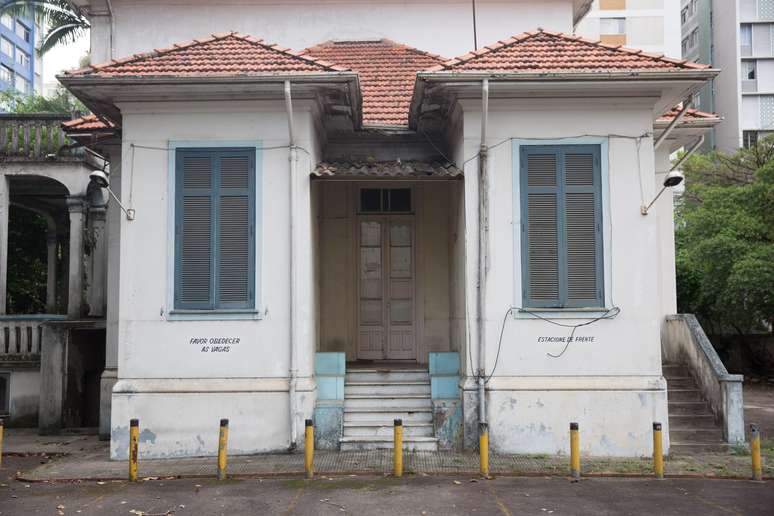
x=387, y=418
x=688, y=449
x=386, y=377
x=691, y=422
x=403, y=403
x=407, y=446
x=688, y=408
x=681, y=383
x=671, y=372
x=386, y=390
x=696, y=435
x=677, y=395
x=387, y=431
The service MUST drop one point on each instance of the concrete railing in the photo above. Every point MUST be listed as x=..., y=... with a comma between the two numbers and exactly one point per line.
x=23, y=334
x=686, y=343
x=34, y=136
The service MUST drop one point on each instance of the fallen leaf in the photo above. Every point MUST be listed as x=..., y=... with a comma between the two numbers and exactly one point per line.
x=457, y=482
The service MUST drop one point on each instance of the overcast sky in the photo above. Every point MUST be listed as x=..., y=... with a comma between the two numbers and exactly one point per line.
x=63, y=57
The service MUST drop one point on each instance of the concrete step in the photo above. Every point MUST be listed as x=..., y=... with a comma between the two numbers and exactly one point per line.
x=688, y=408
x=674, y=371
x=690, y=421
x=386, y=443
x=386, y=389
x=387, y=414
x=404, y=401
x=696, y=435
x=684, y=395
x=385, y=376
x=380, y=429
x=681, y=382
x=690, y=448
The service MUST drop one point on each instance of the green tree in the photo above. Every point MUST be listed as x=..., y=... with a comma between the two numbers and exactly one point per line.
x=725, y=240
x=26, y=262
x=62, y=101
x=63, y=22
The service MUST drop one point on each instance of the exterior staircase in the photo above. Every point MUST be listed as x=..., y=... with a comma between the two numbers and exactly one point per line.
x=374, y=398
x=692, y=425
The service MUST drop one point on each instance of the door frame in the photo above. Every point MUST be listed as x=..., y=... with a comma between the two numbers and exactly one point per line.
x=416, y=217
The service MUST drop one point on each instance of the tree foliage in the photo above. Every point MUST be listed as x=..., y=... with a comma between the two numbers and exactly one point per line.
x=27, y=267
x=63, y=23
x=725, y=240
x=62, y=101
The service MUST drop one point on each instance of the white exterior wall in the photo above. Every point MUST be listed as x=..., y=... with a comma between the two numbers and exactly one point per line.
x=163, y=378
x=442, y=27
x=613, y=385
x=25, y=397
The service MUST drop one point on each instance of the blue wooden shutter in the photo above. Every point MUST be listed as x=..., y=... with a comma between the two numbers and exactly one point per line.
x=540, y=180
x=561, y=226
x=215, y=229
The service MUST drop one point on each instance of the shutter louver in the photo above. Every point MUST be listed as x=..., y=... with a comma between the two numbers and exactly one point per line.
x=542, y=235
x=196, y=239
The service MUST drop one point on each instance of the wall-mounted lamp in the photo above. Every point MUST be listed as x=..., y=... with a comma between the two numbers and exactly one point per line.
x=100, y=178
x=674, y=178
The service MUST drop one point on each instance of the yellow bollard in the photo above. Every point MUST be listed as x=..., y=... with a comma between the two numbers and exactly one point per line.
x=134, y=439
x=483, y=448
x=755, y=451
x=397, y=453
x=309, y=449
x=223, y=449
x=1, y=442
x=658, y=451
x=575, y=468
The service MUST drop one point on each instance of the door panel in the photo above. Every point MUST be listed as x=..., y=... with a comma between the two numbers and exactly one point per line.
x=387, y=327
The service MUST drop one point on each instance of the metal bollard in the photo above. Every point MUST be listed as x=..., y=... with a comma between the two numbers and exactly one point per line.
x=223, y=449
x=575, y=468
x=1, y=441
x=309, y=449
x=134, y=439
x=755, y=451
x=397, y=455
x=483, y=448
x=658, y=451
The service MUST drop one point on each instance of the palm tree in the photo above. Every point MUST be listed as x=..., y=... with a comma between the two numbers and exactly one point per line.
x=62, y=22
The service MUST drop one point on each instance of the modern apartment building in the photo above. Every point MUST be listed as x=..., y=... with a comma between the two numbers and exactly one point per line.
x=737, y=37
x=650, y=25
x=20, y=66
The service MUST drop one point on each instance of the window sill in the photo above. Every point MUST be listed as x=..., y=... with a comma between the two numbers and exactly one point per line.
x=214, y=315
x=560, y=313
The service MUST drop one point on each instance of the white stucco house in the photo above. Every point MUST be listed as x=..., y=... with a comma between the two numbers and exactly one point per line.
x=367, y=227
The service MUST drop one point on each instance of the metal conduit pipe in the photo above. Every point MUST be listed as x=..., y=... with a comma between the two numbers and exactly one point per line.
x=483, y=209
x=292, y=371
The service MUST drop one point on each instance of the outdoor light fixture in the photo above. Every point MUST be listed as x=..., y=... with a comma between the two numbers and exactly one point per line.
x=674, y=178
x=100, y=178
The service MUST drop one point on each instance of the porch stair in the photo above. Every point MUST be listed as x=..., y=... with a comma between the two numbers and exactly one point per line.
x=374, y=398
x=692, y=425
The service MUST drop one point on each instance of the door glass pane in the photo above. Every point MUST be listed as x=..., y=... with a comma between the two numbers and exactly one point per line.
x=400, y=311
x=370, y=312
x=400, y=200
x=370, y=234
x=400, y=235
x=400, y=262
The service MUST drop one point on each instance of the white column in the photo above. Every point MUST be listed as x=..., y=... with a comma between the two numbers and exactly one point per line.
x=75, y=206
x=97, y=276
x=51, y=241
x=4, y=206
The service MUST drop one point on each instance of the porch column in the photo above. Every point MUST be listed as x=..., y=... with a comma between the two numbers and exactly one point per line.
x=4, y=205
x=98, y=263
x=51, y=240
x=75, y=206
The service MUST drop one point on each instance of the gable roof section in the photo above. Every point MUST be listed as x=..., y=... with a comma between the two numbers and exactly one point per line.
x=218, y=55
x=387, y=73
x=86, y=123
x=690, y=114
x=546, y=51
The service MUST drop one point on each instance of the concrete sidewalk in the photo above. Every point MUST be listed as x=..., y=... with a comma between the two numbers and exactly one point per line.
x=83, y=457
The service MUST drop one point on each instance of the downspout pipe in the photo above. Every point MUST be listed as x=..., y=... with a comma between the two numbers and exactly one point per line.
x=674, y=122
x=112, y=15
x=483, y=231
x=292, y=369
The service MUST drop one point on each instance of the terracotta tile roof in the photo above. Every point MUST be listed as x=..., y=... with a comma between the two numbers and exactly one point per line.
x=219, y=54
x=387, y=169
x=86, y=123
x=544, y=51
x=387, y=72
x=690, y=114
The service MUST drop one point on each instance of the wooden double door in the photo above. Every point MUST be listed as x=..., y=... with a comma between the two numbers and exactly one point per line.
x=386, y=287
